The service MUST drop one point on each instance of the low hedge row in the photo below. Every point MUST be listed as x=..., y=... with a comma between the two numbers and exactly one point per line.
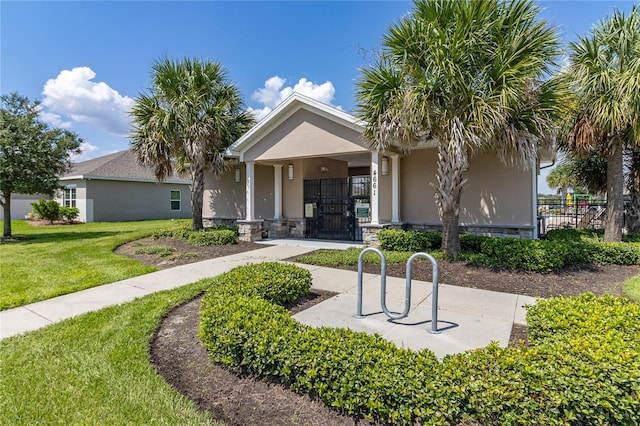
x=583, y=365
x=561, y=248
x=218, y=236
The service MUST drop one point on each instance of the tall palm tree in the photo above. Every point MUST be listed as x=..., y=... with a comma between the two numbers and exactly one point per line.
x=605, y=71
x=191, y=114
x=467, y=74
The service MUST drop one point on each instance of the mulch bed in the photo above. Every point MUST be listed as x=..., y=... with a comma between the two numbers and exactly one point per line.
x=238, y=399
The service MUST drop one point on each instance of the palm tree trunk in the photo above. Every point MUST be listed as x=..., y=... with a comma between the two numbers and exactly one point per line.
x=615, y=188
x=6, y=205
x=633, y=216
x=452, y=176
x=197, y=194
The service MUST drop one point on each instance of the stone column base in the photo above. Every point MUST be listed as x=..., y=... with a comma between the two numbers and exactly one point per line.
x=370, y=234
x=250, y=230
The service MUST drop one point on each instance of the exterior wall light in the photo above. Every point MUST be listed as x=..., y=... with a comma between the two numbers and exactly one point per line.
x=324, y=169
x=290, y=171
x=237, y=175
x=385, y=166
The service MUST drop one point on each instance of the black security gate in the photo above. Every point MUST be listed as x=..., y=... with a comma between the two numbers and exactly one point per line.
x=334, y=208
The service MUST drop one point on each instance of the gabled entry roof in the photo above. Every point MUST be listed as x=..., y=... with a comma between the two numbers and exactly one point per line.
x=300, y=127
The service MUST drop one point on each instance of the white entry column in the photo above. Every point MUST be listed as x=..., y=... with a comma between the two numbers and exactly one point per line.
x=249, y=190
x=395, y=189
x=375, y=188
x=277, y=191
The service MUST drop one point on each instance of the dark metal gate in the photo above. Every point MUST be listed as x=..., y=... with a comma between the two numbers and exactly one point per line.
x=334, y=208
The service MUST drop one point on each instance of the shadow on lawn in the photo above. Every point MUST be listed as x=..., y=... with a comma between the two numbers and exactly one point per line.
x=48, y=237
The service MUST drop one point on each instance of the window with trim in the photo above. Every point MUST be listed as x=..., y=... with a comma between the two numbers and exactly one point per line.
x=175, y=200
x=69, y=197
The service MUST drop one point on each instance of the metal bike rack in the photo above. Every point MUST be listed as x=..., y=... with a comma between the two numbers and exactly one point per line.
x=407, y=297
x=434, y=281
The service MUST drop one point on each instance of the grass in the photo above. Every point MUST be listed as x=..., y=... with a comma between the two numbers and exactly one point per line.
x=632, y=288
x=50, y=261
x=160, y=250
x=95, y=369
x=348, y=257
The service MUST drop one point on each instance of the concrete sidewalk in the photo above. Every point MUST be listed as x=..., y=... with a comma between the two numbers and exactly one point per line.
x=467, y=318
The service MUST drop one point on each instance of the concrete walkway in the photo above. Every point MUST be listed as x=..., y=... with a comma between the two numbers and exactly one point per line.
x=467, y=318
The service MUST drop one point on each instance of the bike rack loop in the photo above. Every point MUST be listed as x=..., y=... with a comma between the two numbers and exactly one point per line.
x=383, y=287
x=434, y=280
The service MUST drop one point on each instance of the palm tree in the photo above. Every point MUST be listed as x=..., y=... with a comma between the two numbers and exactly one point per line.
x=605, y=71
x=562, y=178
x=191, y=114
x=468, y=75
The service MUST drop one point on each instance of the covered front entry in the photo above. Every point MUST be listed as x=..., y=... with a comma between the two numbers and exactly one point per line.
x=334, y=208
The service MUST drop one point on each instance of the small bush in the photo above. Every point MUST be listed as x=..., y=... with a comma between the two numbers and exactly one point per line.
x=203, y=237
x=413, y=241
x=69, y=213
x=48, y=210
x=213, y=237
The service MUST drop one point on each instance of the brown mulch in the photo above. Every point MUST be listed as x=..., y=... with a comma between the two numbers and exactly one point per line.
x=238, y=399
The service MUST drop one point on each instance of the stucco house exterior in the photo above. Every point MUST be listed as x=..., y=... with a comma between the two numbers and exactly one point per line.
x=21, y=205
x=305, y=171
x=116, y=188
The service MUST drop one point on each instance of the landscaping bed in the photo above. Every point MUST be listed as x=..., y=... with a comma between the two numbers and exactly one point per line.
x=243, y=399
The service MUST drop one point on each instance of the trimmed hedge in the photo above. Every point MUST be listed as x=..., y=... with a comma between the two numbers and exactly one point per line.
x=561, y=248
x=583, y=365
x=218, y=236
x=399, y=240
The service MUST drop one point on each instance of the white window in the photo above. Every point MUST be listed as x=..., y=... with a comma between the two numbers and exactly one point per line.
x=69, y=199
x=175, y=200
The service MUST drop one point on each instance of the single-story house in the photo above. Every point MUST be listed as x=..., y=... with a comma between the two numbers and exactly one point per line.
x=305, y=171
x=21, y=205
x=116, y=188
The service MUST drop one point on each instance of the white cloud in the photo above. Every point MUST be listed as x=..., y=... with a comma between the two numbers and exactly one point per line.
x=73, y=95
x=274, y=92
x=87, y=152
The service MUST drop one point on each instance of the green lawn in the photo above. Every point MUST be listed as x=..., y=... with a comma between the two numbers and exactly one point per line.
x=632, y=288
x=53, y=260
x=95, y=369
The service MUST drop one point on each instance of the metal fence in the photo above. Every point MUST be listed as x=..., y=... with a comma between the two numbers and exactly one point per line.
x=578, y=213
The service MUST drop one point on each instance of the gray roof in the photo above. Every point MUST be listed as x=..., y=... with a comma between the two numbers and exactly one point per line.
x=120, y=165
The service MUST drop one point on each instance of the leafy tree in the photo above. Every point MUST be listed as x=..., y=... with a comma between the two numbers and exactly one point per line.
x=605, y=72
x=468, y=75
x=32, y=155
x=191, y=114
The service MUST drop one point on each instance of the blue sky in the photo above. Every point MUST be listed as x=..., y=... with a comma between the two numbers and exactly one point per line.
x=87, y=60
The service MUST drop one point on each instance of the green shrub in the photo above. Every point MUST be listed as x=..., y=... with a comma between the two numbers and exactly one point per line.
x=213, y=237
x=69, y=213
x=583, y=365
x=204, y=237
x=234, y=228
x=48, y=210
x=413, y=241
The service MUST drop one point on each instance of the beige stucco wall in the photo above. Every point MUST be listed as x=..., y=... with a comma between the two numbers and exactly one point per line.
x=495, y=194
x=293, y=190
x=122, y=201
x=305, y=134
x=224, y=198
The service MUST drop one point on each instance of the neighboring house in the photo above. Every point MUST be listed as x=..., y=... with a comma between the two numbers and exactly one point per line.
x=305, y=171
x=116, y=188
x=21, y=205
